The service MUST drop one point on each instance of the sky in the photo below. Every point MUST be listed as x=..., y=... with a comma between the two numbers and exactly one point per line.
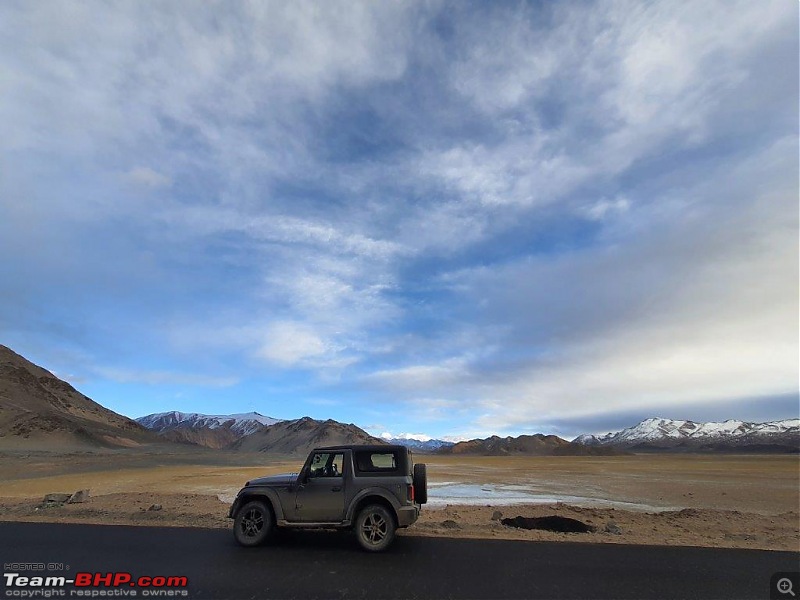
x=443, y=218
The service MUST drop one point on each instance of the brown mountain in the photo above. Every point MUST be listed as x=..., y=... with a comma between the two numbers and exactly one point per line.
x=39, y=411
x=303, y=435
x=526, y=445
x=222, y=437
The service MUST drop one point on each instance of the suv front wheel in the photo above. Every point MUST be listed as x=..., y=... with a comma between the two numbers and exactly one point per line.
x=253, y=524
x=375, y=528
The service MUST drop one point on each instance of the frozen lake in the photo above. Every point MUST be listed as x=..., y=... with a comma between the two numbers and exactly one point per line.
x=452, y=492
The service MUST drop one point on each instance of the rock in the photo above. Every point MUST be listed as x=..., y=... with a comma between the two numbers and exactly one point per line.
x=450, y=524
x=497, y=515
x=612, y=528
x=78, y=497
x=154, y=507
x=742, y=537
x=552, y=523
x=56, y=498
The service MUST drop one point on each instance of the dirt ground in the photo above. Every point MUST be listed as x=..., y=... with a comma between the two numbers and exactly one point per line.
x=694, y=500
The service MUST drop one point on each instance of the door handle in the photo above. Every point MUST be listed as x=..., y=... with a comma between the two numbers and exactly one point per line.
x=336, y=489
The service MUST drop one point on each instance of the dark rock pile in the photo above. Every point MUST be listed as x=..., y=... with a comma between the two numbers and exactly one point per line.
x=552, y=523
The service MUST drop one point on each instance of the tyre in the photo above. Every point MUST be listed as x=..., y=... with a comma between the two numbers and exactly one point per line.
x=253, y=524
x=375, y=528
x=420, y=483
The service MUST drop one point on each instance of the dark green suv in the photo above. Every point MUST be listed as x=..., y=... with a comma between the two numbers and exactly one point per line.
x=373, y=490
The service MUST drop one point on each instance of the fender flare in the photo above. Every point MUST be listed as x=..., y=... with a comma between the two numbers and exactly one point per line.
x=373, y=491
x=259, y=493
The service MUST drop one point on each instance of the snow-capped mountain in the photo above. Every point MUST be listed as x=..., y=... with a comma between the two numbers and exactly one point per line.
x=731, y=434
x=416, y=442
x=241, y=423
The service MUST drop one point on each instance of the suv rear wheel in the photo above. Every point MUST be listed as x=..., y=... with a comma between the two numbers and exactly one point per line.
x=375, y=528
x=253, y=524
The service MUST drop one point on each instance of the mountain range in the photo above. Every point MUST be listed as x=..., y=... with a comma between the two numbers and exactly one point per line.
x=659, y=434
x=40, y=411
x=526, y=445
x=224, y=431
x=254, y=432
x=211, y=431
x=422, y=444
x=240, y=423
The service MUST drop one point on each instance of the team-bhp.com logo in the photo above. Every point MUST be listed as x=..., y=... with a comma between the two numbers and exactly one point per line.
x=95, y=585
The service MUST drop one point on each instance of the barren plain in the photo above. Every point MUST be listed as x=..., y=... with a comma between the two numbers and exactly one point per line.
x=741, y=501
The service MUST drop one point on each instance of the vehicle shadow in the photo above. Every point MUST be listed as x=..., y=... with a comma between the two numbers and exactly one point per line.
x=326, y=540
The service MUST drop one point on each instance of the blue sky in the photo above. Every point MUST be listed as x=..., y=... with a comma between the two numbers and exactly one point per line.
x=455, y=219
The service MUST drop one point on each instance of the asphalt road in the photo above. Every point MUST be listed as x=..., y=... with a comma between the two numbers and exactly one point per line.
x=330, y=565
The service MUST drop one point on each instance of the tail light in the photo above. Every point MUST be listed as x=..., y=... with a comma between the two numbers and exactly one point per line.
x=411, y=493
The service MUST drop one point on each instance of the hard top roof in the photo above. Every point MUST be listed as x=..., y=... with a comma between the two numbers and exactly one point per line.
x=363, y=447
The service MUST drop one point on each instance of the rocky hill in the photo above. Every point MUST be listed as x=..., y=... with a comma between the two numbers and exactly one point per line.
x=39, y=411
x=659, y=434
x=302, y=435
x=525, y=445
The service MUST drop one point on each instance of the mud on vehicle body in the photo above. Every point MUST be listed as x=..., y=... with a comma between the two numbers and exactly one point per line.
x=372, y=490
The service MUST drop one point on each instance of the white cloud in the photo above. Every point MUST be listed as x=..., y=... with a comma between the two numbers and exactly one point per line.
x=125, y=375
x=282, y=229
x=287, y=344
x=603, y=208
x=405, y=436
x=423, y=377
x=147, y=177
x=639, y=77
x=697, y=303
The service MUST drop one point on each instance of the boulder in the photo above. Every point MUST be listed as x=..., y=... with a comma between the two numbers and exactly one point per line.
x=154, y=507
x=56, y=498
x=497, y=515
x=612, y=528
x=78, y=497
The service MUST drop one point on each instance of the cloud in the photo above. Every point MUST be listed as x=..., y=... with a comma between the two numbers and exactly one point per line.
x=147, y=177
x=446, y=374
x=288, y=343
x=596, y=91
x=160, y=378
x=209, y=221
x=676, y=311
x=603, y=208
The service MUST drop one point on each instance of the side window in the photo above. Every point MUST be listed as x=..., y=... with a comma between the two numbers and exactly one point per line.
x=376, y=462
x=383, y=461
x=327, y=464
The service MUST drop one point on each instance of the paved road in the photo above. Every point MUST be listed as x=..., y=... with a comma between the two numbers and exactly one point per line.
x=330, y=565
